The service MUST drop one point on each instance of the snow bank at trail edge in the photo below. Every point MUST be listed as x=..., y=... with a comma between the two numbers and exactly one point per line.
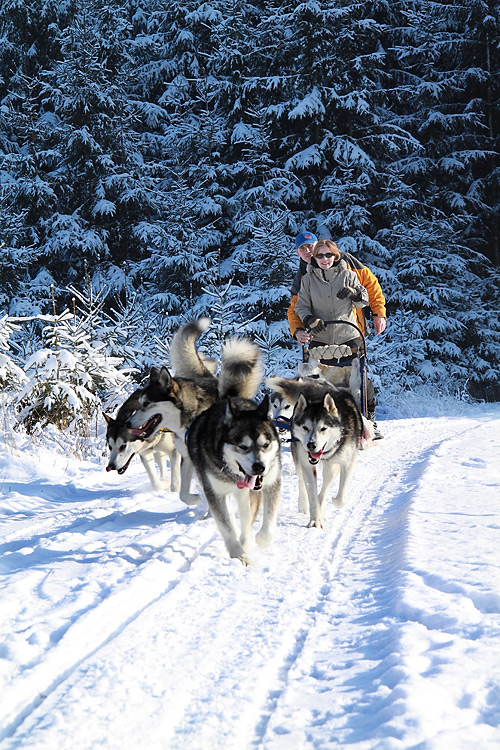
x=124, y=624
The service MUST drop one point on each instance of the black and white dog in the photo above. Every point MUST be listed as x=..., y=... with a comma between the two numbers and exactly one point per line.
x=124, y=445
x=235, y=450
x=327, y=429
x=173, y=402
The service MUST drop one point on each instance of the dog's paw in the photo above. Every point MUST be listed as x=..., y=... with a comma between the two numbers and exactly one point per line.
x=191, y=499
x=338, y=502
x=237, y=552
x=303, y=506
x=263, y=538
x=316, y=524
x=160, y=485
x=243, y=558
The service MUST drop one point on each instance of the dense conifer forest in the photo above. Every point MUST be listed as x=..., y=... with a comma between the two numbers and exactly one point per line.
x=158, y=158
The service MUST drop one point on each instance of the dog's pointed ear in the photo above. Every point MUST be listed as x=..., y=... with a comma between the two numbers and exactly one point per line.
x=329, y=405
x=154, y=375
x=108, y=419
x=262, y=410
x=300, y=405
x=165, y=378
x=162, y=377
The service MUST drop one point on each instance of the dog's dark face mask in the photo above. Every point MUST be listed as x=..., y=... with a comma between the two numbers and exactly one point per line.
x=252, y=439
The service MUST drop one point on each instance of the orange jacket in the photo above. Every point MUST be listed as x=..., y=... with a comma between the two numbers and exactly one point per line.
x=375, y=296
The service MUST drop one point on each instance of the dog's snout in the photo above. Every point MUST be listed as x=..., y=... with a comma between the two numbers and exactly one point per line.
x=258, y=468
x=311, y=445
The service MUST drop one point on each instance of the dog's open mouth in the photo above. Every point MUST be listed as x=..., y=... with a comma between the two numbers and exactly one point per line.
x=253, y=482
x=123, y=468
x=314, y=457
x=147, y=429
x=282, y=424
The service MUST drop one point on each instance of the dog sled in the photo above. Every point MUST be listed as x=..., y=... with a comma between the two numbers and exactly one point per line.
x=342, y=365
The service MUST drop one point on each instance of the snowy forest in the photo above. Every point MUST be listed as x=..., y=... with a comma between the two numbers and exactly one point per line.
x=158, y=158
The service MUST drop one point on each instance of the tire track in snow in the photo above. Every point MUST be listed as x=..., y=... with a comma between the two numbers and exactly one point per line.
x=294, y=594
x=223, y=657
x=98, y=626
x=372, y=539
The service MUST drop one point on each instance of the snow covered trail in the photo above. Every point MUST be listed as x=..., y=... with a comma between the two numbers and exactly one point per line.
x=125, y=624
x=394, y=632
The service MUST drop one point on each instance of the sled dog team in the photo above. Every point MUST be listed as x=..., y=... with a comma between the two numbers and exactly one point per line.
x=210, y=424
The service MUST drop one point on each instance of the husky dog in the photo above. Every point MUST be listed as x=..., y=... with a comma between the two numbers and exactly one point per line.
x=281, y=411
x=172, y=402
x=235, y=450
x=327, y=427
x=341, y=377
x=124, y=445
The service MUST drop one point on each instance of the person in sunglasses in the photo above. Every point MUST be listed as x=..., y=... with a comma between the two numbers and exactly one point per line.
x=304, y=244
x=330, y=291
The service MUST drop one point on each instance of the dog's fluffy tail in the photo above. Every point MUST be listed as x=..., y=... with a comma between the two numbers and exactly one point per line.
x=184, y=356
x=241, y=369
x=288, y=388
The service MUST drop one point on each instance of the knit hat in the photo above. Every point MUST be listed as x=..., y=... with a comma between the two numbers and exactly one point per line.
x=305, y=237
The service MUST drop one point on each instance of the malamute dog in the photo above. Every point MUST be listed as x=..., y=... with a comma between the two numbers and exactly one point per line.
x=235, y=450
x=124, y=445
x=327, y=427
x=172, y=402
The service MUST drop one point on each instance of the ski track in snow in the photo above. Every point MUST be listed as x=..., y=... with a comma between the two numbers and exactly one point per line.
x=171, y=644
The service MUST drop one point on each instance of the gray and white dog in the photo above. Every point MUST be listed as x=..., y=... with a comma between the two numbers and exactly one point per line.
x=327, y=428
x=124, y=445
x=173, y=401
x=235, y=450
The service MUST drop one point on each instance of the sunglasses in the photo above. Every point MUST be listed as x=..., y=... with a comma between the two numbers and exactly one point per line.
x=324, y=255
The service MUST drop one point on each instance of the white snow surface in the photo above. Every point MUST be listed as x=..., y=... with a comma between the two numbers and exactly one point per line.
x=124, y=624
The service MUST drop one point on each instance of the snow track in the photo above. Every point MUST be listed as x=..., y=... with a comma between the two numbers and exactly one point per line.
x=138, y=630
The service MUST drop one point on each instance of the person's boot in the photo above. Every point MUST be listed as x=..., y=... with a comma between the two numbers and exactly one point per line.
x=377, y=435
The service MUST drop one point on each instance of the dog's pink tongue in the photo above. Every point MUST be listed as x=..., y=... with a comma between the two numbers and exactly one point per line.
x=247, y=482
x=316, y=455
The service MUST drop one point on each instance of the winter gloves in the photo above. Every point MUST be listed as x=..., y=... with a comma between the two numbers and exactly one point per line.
x=316, y=325
x=348, y=291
